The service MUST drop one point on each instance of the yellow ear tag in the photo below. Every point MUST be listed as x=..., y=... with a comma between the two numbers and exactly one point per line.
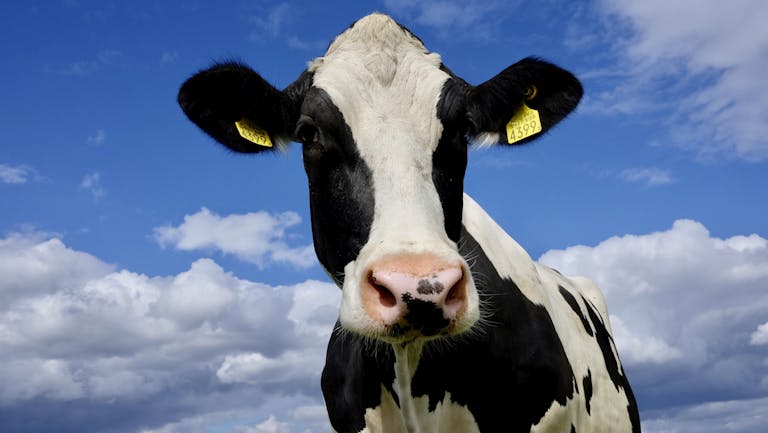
x=524, y=123
x=253, y=133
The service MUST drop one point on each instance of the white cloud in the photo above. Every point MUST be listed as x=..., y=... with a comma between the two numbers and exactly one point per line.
x=256, y=237
x=269, y=25
x=298, y=43
x=271, y=425
x=47, y=378
x=76, y=331
x=641, y=349
x=700, y=77
x=472, y=18
x=305, y=419
x=169, y=56
x=276, y=23
x=92, y=183
x=84, y=68
x=760, y=336
x=733, y=416
x=648, y=176
x=684, y=305
x=16, y=174
x=36, y=264
x=255, y=368
x=98, y=137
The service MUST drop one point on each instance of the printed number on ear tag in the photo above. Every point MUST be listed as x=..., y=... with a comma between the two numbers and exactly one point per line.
x=253, y=133
x=524, y=123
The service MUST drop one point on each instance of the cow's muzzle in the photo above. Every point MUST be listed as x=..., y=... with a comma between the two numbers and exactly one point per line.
x=415, y=295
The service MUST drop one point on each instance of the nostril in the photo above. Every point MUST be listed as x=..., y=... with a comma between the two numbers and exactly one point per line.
x=455, y=294
x=386, y=297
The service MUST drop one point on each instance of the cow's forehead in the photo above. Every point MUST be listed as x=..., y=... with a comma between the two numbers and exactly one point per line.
x=384, y=82
x=387, y=86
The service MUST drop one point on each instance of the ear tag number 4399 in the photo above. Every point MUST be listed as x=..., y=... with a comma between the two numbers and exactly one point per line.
x=525, y=123
x=253, y=133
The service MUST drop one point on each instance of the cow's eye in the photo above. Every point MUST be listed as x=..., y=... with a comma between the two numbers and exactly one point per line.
x=307, y=133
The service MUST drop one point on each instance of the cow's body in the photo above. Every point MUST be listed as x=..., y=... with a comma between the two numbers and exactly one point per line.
x=446, y=324
x=541, y=361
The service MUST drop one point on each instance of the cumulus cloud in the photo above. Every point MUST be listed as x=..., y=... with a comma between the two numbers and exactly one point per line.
x=47, y=378
x=737, y=416
x=760, y=336
x=271, y=425
x=257, y=237
x=701, y=76
x=685, y=306
x=16, y=174
x=38, y=264
x=191, y=349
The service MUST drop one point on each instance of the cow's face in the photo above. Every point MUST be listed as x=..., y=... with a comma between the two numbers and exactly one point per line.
x=384, y=128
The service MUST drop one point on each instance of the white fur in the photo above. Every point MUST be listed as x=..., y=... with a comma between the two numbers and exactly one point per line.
x=485, y=140
x=413, y=414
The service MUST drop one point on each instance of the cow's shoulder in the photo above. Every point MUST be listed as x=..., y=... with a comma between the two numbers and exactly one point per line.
x=504, y=254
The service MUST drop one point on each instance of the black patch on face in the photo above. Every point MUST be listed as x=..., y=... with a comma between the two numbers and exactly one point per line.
x=449, y=162
x=615, y=372
x=575, y=307
x=340, y=183
x=573, y=428
x=424, y=316
x=352, y=378
x=587, y=384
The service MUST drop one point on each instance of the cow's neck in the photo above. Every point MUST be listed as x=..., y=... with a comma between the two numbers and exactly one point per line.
x=406, y=361
x=509, y=259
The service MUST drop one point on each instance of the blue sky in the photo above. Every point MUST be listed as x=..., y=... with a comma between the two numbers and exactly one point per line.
x=152, y=282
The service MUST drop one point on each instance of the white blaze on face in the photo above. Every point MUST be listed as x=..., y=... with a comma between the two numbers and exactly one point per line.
x=387, y=86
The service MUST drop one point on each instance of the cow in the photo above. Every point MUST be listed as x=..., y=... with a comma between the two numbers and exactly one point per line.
x=446, y=324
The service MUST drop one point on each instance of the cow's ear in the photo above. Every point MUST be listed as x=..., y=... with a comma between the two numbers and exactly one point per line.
x=241, y=110
x=522, y=102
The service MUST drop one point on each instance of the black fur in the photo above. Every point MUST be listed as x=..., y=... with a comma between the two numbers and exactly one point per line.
x=353, y=377
x=449, y=162
x=493, y=103
x=216, y=98
x=340, y=185
x=615, y=371
x=575, y=307
x=587, y=384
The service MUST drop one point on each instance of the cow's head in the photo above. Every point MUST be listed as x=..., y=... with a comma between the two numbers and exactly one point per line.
x=384, y=128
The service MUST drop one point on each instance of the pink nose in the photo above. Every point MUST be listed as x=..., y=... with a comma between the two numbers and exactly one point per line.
x=415, y=294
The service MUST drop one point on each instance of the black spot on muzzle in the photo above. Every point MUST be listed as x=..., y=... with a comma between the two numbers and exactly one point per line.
x=424, y=316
